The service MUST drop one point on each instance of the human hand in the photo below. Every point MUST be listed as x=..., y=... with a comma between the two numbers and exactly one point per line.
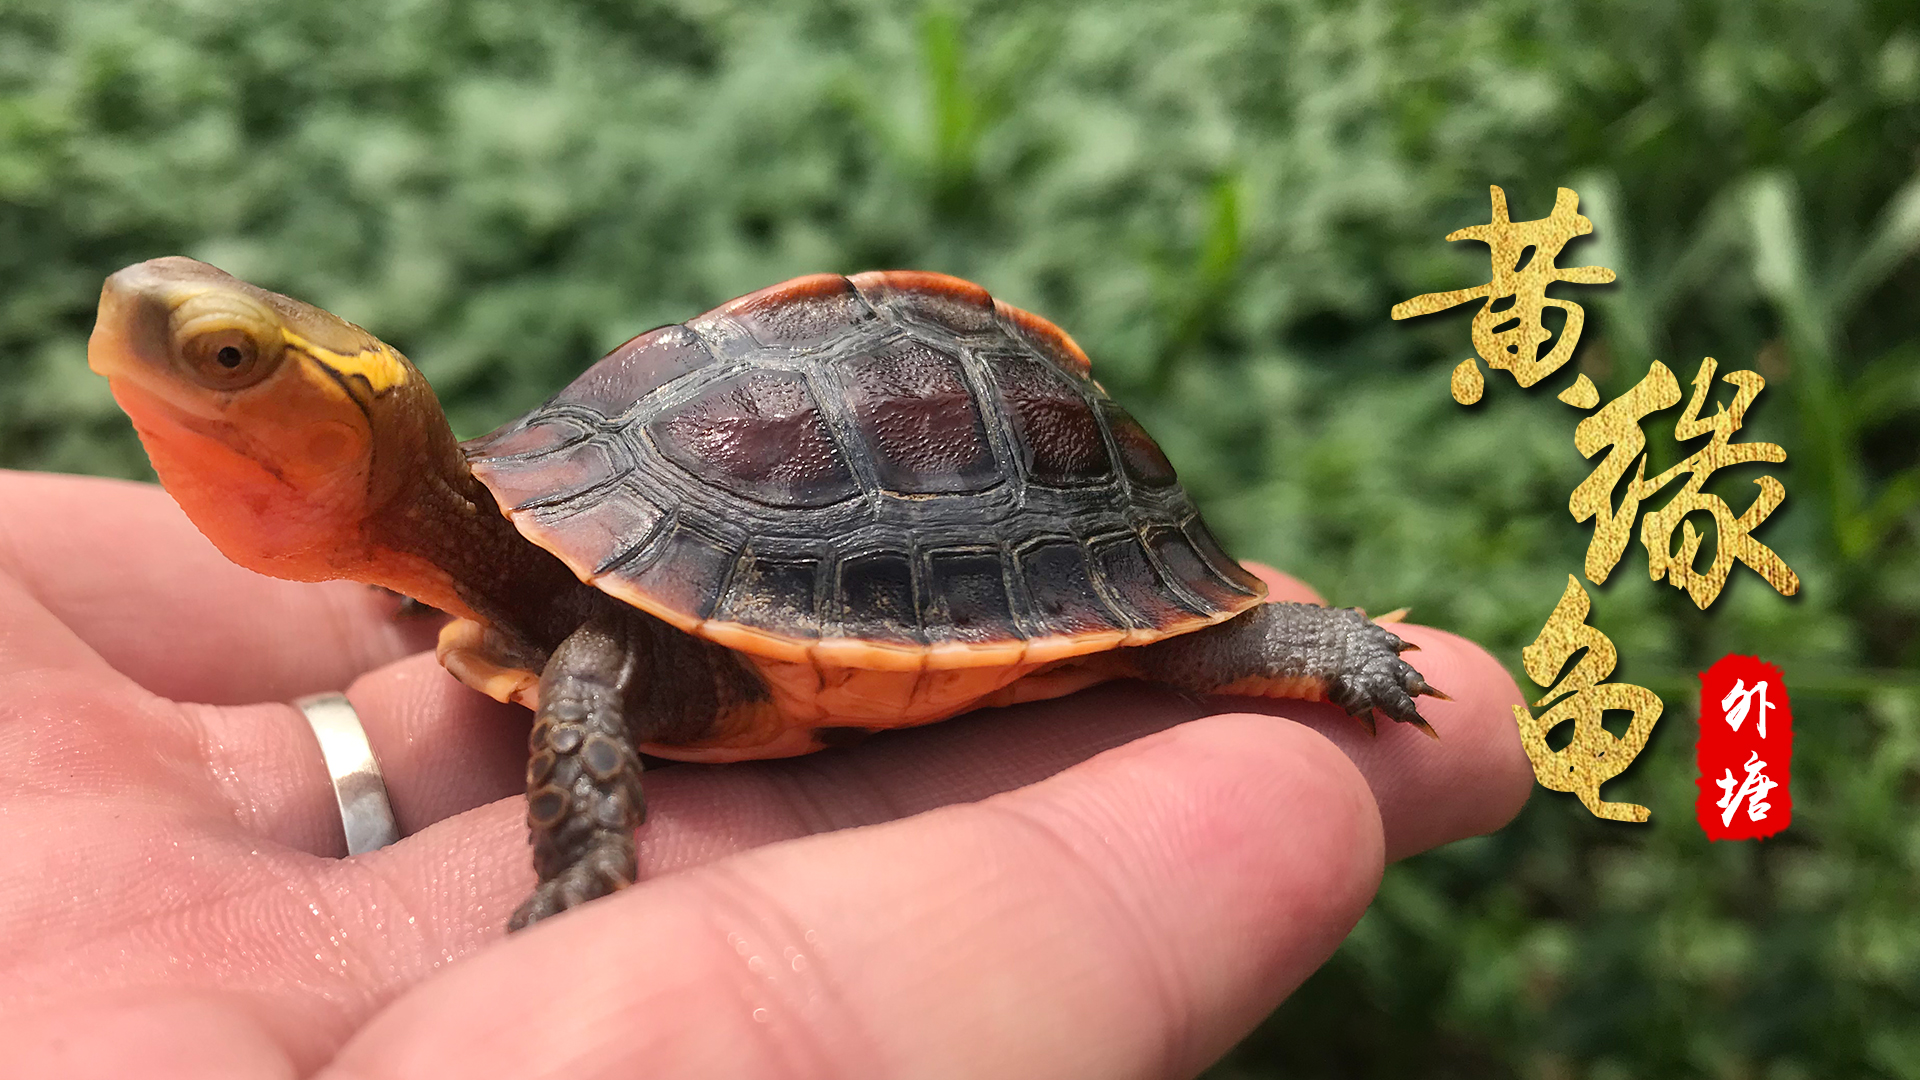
x=1086, y=887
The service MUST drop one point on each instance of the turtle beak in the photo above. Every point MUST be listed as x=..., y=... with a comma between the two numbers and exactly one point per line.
x=130, y=334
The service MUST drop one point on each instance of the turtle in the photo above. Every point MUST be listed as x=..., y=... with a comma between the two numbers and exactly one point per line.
x=833, y=506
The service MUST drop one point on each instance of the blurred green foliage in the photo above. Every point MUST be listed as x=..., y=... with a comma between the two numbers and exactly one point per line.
x=1221, y=201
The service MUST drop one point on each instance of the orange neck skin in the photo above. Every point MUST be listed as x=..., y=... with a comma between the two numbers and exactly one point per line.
x=404, y=512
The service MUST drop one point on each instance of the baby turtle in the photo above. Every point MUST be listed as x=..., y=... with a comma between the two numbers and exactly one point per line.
x=829, y=507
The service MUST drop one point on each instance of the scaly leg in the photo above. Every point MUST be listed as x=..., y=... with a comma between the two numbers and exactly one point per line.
x=583, y=780
x=1296, y=651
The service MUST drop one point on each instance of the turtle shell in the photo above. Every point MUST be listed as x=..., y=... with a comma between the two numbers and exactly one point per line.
x=888, y=471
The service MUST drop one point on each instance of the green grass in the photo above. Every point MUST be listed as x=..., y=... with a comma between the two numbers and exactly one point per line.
x=1221, y=202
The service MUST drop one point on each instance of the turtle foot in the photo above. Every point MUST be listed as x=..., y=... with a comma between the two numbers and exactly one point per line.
x=583, y=776
x=1374, y=678
x=607, y=865
x=1288, y=650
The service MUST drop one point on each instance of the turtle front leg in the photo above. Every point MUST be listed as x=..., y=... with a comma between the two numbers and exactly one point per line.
x=583, y=779
x=1297, y=651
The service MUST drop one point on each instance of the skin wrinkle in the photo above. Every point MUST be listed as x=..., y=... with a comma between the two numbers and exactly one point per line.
x=796, y=785
x=208, y=904
x=795, y=794
x=13, y=564
x=396, y=931
x=224, y=778
x=176, y=923
x=327, y=923
x=830, y=1053
x=392, y=901
x=41, y=643
x=478, y=874
x=281, y=802
x=1164, y=986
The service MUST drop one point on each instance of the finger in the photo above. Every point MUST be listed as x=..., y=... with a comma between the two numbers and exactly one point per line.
x=155, y=1036
x=121, y=566
x=1474, y=782
x=36, y=646
x=442, y=749
x=1153, y=903
x=445, y=750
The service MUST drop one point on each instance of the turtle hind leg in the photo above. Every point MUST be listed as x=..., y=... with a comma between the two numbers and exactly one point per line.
x=1295, y=651
x=583, y=779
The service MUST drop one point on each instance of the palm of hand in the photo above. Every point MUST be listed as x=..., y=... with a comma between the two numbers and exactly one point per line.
x=172, y=901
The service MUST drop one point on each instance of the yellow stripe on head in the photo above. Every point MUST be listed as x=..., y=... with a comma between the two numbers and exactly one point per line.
x=376, y=365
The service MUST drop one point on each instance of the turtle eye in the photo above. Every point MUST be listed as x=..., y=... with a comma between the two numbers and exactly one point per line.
x=228, y=359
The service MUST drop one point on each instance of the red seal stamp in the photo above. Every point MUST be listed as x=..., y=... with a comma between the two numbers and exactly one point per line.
x=1745, y=751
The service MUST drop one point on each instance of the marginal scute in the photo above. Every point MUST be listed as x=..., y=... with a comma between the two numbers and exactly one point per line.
x=523, y=482
x=1223, y=565
x=778, y=594
x=687, y=573
x=801, y=313
x=596, y=534
x=759, y=435
x=1127, y=570
x=1065, y=599
x=877, y=597
x=1185, y=565
x=1051, y=341
x=959, y=306
x=636, y=369
x=539, y=433
x=967, y=596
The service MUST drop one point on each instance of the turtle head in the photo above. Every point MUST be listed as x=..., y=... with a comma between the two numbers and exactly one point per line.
x=281, y=429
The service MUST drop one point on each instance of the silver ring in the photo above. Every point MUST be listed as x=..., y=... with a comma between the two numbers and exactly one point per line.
x=365, y=814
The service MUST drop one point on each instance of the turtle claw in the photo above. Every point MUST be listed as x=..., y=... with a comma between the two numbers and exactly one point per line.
x=1375, y=678
x=1421, y=723
x=606, y=867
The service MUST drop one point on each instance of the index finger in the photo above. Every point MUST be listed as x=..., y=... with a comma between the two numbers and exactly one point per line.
x=124, y=569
